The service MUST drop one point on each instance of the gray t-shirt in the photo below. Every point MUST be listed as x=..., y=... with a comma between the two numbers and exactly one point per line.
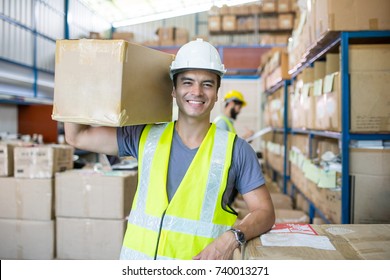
x=244, y=174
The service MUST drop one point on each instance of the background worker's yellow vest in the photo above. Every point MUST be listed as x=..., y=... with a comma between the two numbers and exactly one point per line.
x=227, y=121
x=194, y=217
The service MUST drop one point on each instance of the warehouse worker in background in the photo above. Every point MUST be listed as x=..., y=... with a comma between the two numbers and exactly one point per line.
x=189, y=171
x=234, y=102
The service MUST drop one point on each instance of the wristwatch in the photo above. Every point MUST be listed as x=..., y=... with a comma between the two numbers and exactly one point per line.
x=240, y=237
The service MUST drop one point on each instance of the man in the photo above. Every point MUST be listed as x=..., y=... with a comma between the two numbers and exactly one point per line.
x=234, y=102
x=189, y=171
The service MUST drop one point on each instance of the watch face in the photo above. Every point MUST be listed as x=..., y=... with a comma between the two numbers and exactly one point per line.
x=241, y=236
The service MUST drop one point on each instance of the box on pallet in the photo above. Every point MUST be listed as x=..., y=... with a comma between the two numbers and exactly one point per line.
x=42, y=161
x=111, y=83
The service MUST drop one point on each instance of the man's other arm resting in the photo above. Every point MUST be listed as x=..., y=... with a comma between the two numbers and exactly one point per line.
x=260, y=219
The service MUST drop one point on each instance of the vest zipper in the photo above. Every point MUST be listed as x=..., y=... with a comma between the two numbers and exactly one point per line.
x=159, y=234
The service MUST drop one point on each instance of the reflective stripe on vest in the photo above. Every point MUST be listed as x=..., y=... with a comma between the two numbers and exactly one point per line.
x=227, y=121
x=194, y=217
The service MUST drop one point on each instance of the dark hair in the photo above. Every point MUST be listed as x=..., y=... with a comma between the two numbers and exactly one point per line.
x=174, y=80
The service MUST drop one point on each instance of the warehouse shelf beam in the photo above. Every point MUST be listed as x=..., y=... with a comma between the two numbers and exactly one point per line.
x=328, y=134
x=285, y=135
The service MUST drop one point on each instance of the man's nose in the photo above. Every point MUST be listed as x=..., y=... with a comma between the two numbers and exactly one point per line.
x=196, y=89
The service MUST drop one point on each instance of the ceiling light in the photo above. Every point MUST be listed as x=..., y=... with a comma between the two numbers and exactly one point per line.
x=189, y=8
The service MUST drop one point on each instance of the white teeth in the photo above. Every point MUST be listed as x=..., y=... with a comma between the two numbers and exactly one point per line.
x=195, y=102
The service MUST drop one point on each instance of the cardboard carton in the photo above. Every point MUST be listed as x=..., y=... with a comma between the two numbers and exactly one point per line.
x=370, y=185
x=89, y=239
x=351, y=15
x=111, y=83
x=370, y=101
x=290, y=216
x=27, y=239
x=338, y=242
x=42, y=161
x=6, y=159
x=26, y=199
x=89, y=194
x=229, y=23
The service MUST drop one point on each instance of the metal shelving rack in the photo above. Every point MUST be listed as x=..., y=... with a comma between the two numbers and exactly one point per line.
x=325, y=44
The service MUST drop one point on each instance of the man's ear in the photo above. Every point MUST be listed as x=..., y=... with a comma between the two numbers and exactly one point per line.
x=173, y=93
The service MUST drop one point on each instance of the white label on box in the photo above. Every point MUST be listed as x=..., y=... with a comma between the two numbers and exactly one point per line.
x=296, y=240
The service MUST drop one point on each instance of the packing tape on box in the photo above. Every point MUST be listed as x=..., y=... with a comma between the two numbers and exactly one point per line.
x=18, y=198
x=88, y=49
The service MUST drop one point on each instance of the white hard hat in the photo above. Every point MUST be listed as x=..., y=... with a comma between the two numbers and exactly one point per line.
x=197, y=54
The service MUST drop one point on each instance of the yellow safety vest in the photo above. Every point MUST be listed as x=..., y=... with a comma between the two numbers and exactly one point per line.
x=227, y=121
x=183, y=227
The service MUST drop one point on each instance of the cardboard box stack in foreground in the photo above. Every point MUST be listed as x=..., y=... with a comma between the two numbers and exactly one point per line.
x=91, y=211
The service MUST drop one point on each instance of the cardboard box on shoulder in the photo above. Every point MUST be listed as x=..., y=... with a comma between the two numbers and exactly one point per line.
x=42, y=161
x=111, y=83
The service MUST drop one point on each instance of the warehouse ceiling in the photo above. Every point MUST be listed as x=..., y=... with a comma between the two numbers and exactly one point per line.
x=130, y=12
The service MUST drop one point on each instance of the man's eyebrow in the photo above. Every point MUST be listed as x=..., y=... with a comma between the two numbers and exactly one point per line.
x=185, y=78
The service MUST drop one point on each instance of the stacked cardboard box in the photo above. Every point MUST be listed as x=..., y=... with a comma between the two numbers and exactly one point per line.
x=26, y=218
x=27, y=200
x=326, y=16
x=274, y=67
x=91, y=211
x=321, y=185
x=172, y=36
x=6, y=159
x=369, y=70
x=370, y=185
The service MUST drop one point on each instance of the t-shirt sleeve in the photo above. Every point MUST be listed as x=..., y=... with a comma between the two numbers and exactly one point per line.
x=247, y=167
x=128, y=140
